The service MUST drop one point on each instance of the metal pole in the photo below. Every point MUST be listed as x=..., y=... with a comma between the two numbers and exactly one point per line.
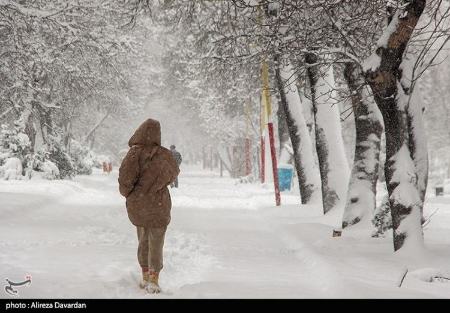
x=268, y=106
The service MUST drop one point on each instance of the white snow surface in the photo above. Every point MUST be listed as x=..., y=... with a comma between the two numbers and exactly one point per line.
x=226, y=240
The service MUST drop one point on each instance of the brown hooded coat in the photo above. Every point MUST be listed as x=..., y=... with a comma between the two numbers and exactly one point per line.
x=145, y=172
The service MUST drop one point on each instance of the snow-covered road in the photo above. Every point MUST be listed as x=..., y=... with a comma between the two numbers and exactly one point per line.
x=226, y=240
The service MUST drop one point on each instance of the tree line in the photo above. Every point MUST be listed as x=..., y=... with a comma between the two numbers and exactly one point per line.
x=369, y=53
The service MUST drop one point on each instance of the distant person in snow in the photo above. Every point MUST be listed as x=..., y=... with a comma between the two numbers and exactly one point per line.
x=145, y=172
x=177, y=157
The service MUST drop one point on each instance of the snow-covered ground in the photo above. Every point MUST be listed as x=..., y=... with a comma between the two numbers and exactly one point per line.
x=226, y=240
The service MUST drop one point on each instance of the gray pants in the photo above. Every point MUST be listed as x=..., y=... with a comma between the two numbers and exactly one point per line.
x=150, y=250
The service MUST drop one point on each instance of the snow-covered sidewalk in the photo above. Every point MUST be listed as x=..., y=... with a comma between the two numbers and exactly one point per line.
x=226, y=240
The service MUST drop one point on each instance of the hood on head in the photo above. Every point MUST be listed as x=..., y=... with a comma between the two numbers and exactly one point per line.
x=148, y=134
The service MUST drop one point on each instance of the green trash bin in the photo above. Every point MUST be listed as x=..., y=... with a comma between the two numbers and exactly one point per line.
x=285, y=174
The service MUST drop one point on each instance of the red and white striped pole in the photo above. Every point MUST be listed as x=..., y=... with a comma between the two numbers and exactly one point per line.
x=268, y=113
x=262, y=124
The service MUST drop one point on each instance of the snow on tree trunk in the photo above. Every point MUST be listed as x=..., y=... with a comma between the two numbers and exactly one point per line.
x=308, y=112
x=383, y=74
x=307, y=172
x=361, y=193
x=416, y=128
x=283, y=134
x=334, y=169
x=418, y=147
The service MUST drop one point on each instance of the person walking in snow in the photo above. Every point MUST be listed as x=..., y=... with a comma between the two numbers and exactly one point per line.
x=178, y=159
x=145, y=172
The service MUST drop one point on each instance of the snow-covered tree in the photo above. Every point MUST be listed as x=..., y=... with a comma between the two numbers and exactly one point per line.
x=384, y=75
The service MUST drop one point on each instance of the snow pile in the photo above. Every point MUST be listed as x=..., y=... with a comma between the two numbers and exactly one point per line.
x=13, y=142
x=52, y=160
x=50, y=170
x=12, y=169
x=14, y=152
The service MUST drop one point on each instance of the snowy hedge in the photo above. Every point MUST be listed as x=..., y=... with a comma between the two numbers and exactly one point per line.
x=53, y=160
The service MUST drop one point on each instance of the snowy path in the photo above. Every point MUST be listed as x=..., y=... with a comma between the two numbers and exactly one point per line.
x=225, y=240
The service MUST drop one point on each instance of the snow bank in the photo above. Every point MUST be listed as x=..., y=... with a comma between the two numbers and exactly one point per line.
x=12, y=169
x=50, y=170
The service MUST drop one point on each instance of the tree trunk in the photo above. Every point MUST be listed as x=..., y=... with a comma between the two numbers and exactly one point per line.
x=416, y=129
x=361, y=195
x=308, y=109
x=304, y=91
x=224, y=157
x=418, y=147
x=307, y=173
x=383, y=74
x=91, y=140
x=67, y=129
x=334, y=170
x=46, y=124
x=283, y=133
x=29, y=128
x=91, y=132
